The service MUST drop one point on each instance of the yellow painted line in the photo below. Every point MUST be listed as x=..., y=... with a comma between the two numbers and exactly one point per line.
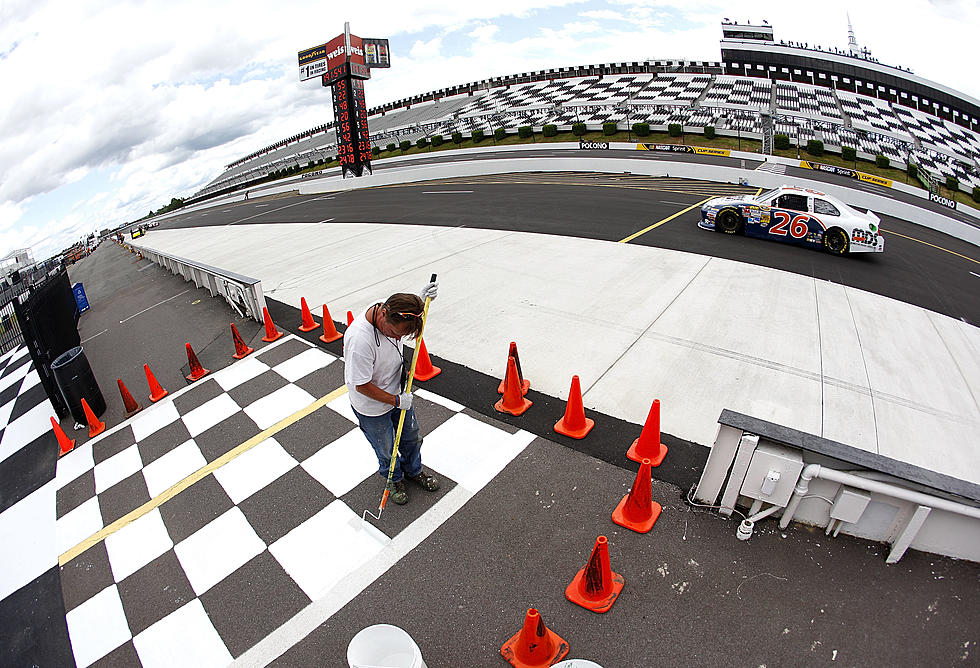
x=179, y=487
x=926, y=243
x=665, y=220
x=758, y=192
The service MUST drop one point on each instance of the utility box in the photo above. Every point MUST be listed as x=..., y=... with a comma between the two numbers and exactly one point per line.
x=772, y=474
x=80, y=298
x=849, y=504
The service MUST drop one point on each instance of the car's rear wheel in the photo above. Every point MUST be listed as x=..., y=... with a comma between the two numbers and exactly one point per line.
x=729, y=222
x=835, y=241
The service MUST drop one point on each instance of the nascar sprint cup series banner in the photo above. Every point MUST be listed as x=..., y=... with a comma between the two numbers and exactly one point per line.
x=681, y=148
x=844, y=171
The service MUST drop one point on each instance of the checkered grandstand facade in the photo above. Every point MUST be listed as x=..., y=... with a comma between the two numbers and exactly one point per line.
x=692, y=94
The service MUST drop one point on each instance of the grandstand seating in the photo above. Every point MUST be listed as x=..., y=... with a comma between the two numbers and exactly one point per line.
x=691, y=96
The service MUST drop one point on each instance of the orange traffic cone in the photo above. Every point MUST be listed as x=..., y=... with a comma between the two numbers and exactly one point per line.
x=271, y=333
x=156, y=391
x=423, y=367
x=95, y=426
x=574, y=423
x=596, y=587
x=65, y=444
x=241, y=349
x=309, y=324
x=513, y=401
x=197, y=371
x=638, y=511
x=525, y=384
x=132, y=407
x=535, y=644
x=350, y=318
x=648, y=445
x=330, y=332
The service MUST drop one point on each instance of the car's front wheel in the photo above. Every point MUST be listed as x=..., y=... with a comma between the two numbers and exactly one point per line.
x=729, y=222
x=835, y=241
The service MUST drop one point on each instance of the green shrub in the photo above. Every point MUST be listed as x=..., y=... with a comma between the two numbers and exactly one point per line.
x=404, y=145
x=814, y=147
x=375, y=151
x=549, y=130
x=525, y=131
x=500, y=133
x=976, y=193
x=781, y=142
x=477, y=136
x=849, y=153
x=421, y=142
x=610, y=128
x=675, y=130
x=709, y=132
x=641, y=129
x=310, y=165
x=952, y=183
x=912, y=171
x=437, y=140
x=320, y=161
x=457, y=138
x=579, y=129
x=390, y=147
x=882, y=161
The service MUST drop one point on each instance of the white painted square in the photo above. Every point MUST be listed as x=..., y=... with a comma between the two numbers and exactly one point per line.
x=240, y=372
x=29, y=546
x=324, y=549
x=442, y=401
x=75, y=526
x=282, y=403
x=20, y=352
x=218, y=549
x=26, y=428
x=471, y=452
x=137, y=544
x=173, y=467
x=10, y=353
x=210, y=413
x=74, y=464
x=254, y=469
x=97, y=626
x=341, y=465
x=14, y=376
x=30, y=380
x=341, y=405
x=118, y=467
x=303, y=364
x=185, y=637
x=153, y=418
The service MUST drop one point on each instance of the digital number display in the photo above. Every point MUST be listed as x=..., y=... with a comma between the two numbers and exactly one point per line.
x=350, y=116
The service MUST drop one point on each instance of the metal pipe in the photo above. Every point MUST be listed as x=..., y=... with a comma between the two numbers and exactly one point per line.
x=812, y=471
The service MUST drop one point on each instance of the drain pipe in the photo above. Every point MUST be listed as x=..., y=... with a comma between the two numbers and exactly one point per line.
x=744, y=531
x=812, y=471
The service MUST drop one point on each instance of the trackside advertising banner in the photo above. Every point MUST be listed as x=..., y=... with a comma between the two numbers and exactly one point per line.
x=680, y=148
x=844, y=171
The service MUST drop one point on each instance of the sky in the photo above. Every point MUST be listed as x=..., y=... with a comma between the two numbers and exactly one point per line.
x=111, y=108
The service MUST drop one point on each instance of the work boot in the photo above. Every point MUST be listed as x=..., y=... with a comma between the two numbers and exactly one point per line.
x=426, y=481
x=398, y=494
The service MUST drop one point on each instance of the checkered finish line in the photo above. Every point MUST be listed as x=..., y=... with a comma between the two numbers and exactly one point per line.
x=207, y=573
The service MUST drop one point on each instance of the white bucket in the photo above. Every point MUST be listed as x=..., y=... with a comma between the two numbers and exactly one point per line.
x=576, y=663
x=383, y=646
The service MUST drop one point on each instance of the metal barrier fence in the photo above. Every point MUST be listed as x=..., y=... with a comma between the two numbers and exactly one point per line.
x=10, y=334
x=243, y=293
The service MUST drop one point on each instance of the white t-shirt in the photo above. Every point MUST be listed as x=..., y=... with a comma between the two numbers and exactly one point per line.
x=367, y=362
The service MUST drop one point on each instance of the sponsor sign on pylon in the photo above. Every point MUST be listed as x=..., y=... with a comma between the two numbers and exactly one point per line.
x=330, y=332
x=513, y=401
x=534, y=645
x=574, y=423
x=648, y=445
x=309, y=324
x=271, y=333
x=596, y=587
x=638, y=511
x=423, y=367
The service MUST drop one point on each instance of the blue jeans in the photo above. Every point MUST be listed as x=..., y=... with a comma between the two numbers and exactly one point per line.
x=380, y=433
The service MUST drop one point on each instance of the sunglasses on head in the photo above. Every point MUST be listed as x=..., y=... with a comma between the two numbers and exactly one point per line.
x=407, y=316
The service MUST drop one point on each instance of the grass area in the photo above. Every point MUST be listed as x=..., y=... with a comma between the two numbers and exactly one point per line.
x=731, y=143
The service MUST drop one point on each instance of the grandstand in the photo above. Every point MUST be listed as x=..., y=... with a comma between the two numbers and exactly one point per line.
x=888, y=111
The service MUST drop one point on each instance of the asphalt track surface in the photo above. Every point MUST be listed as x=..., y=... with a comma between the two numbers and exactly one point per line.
x=920, y=266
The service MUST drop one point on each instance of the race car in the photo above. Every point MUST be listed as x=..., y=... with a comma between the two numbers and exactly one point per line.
x=798, y=216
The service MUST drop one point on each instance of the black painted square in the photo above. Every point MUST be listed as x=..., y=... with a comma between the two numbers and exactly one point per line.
x=75, y=493
x=85, y=576
x=284, y=504
x=123, y=498
x=113, y=444
x=261, y=386
x=154, y=591
x=307, y=436
x=226, y=435
x=196, y=506
x=162, y=441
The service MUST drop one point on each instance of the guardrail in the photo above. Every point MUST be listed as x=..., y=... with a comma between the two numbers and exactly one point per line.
x=754, y=462
x=243, y=293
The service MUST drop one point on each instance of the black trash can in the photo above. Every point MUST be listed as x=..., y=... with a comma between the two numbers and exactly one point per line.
x=76, y=381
